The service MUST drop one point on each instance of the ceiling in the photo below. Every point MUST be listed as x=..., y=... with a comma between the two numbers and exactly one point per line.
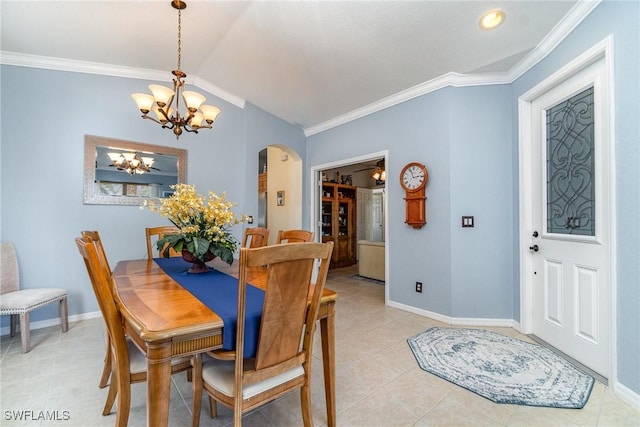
x=307, y=62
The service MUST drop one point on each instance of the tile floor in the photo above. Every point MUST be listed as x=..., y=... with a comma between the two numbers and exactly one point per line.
x=378, y=380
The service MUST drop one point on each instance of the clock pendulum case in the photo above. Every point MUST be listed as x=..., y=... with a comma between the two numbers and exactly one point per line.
x=413, y=179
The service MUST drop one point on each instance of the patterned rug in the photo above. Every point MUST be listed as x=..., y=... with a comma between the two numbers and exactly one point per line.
x=500, y=368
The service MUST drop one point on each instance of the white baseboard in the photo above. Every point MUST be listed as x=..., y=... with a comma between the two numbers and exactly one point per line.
x=626, y=394
x=53, y=322
x=468, y=321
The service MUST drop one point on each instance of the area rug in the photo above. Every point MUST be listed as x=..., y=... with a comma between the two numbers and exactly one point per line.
x=501, y=368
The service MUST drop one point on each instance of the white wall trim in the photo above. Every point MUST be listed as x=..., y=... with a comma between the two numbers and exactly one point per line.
x=457, y=321
x=449, y=79
x=626, y=394
x=314, y=194
x=74, y=66
x=51, y=322
x=576, y=15
x=570, y=21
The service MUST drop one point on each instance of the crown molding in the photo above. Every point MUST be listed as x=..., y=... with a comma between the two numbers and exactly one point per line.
x=568, y=23
x=74, y=66
x=573, y=18
x=449, y=79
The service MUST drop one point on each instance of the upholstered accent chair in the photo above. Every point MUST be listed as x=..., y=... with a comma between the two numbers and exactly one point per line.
x=17, y=302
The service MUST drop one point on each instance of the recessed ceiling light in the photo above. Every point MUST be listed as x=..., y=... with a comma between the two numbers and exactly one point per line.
x=491, y=19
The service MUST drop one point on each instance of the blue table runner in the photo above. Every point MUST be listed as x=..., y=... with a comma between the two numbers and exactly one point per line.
x=219, y=292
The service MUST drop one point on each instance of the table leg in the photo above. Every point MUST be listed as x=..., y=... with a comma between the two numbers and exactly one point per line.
x=327, y=331
x=158, y=384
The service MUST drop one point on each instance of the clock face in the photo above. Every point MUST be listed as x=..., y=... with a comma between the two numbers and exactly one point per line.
x=413, y=177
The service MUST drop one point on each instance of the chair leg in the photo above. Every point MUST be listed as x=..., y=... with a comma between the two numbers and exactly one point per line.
x=25, y=333
x=213, y=407
x=106, y=370
x=124, y=400
x=305, y=403
x=196, y=384
x=111, y=395
x=14, y=322
x=64, y=314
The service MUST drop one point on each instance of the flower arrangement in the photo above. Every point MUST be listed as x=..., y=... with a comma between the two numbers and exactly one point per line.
x=204, y=224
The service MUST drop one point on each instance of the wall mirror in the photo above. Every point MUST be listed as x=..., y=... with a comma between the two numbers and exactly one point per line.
x=118, y=172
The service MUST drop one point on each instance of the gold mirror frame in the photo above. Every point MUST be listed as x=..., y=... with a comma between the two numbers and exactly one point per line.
x=92, y=196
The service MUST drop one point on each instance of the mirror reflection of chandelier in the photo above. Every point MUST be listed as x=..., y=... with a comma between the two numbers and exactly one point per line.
x=379, y=174
x=196, y=117
x=131, y=163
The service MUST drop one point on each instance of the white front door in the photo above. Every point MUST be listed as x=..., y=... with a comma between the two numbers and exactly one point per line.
x=570, y=241
x=377, y=225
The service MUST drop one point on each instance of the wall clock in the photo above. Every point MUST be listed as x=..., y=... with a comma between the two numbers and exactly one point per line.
x=413, y=179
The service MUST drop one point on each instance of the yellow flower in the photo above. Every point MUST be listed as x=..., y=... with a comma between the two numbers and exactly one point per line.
x=204, y=225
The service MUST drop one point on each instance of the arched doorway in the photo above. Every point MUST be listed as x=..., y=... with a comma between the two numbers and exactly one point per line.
x=279, y=189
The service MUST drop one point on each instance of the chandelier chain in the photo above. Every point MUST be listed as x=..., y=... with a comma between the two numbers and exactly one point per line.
x=179, y=37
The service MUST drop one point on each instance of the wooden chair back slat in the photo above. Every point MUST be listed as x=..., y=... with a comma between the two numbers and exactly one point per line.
x=155, y=233
x=255, y=237
x=294, y=236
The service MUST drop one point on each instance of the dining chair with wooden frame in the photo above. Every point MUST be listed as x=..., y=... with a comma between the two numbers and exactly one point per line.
x=294, y=236
x=94, y=236
x=155, y=233
x=255, y=237
x=128, y=362
x=282, y=362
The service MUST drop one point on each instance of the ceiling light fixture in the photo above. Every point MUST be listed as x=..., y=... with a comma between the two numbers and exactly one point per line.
x=491, y=19
x=131, y=163
x=379, y=174
x=162, y=98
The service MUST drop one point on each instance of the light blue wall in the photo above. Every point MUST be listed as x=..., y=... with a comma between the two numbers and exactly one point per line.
x=45, y=115
x=468, y=139
x=482, y=258
x=622, y=19
x=263, y=130
x=462, y=135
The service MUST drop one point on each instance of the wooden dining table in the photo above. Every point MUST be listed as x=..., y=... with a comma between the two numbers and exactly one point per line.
x=166, y=321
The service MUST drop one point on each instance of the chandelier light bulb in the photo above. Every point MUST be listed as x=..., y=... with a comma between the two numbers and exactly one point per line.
x=210, y=112
x=148, y=161
x=196, y=120
x=193, y=100
x=144, y=101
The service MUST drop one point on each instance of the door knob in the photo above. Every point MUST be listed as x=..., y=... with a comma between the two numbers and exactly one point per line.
x=535, y=234
x=534, y=248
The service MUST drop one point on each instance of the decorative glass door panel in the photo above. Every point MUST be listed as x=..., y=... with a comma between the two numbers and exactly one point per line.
x=571, y=166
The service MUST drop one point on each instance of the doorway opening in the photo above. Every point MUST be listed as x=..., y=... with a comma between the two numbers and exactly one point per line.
x=279, y=190
x=349, y=206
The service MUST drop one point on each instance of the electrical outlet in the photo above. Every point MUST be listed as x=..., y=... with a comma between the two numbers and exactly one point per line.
x=419, y=287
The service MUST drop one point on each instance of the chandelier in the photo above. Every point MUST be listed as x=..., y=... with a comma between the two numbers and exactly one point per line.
x=131, y=163
x=197, y=115
x=379, y=174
